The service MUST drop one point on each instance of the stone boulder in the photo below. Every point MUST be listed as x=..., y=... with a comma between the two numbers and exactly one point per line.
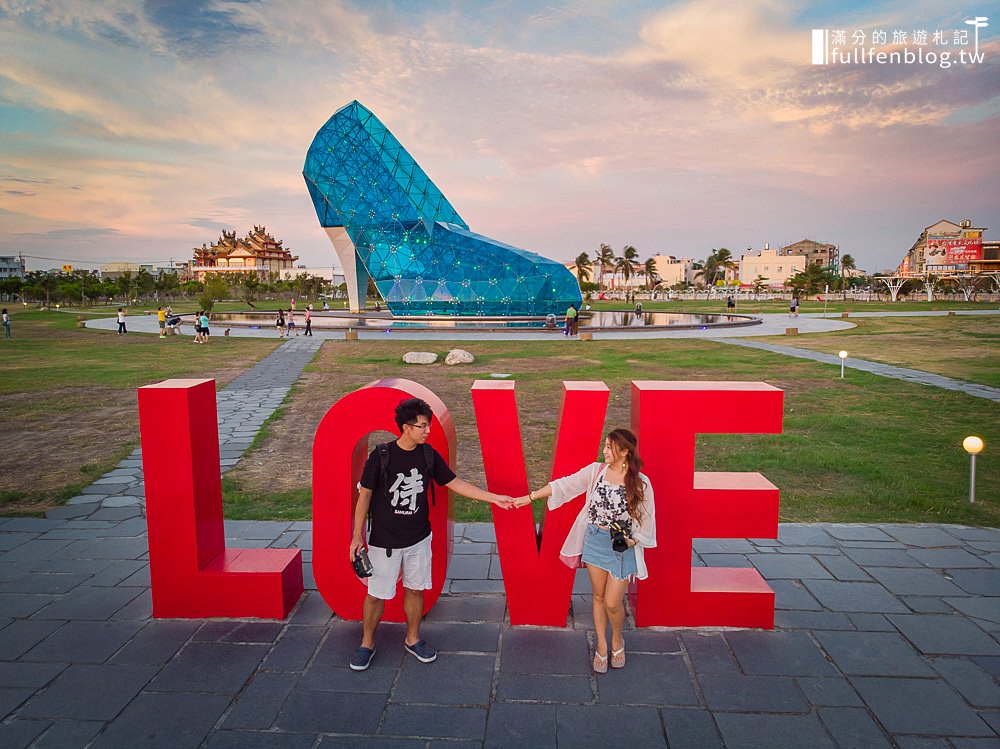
x=420, y=357
x=458, y=356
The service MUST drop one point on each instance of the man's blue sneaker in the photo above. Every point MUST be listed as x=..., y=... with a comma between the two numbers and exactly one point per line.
x=362, y=658
x=421, y=651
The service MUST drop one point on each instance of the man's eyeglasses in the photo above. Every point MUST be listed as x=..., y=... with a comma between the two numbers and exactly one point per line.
x=422, y=427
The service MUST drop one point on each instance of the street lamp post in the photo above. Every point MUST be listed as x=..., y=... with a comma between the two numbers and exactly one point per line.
x=843, y=357
x=973, y=445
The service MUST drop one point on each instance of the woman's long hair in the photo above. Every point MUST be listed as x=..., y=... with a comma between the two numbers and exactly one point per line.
x=635, y=489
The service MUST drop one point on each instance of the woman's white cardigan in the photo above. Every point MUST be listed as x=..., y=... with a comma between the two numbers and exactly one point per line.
x=585, y=480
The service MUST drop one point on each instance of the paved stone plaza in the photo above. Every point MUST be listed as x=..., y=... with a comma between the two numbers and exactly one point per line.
x=886, y=635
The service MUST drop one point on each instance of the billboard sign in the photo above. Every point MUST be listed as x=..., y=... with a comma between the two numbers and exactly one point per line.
x=950, y=250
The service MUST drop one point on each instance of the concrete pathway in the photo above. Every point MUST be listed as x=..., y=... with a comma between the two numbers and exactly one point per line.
x=883, y=370
x=887, y=636
x=243, y=406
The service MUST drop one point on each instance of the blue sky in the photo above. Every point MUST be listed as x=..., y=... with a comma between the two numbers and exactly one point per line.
x=133, y=130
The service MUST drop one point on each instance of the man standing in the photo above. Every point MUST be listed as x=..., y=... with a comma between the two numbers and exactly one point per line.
x=396, y=486
x=309, y=320
x=570, y=321
x=121, y=322
x=161, y=316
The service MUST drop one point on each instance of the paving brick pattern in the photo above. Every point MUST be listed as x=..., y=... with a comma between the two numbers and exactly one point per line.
x=243, y=406
x=879, y=642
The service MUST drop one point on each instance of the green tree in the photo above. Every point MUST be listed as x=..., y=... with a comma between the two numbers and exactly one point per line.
x=250, y=287
x=166, y=284
x=625, y=265
x=10, y=287
x=814, y=279
x=715, y=265
x=846, y=264
x=649, y=270
x=216, y=288
x=605, y=256
x=145, y=283
x=759, y=284
x=126, y=283
x=583, y=268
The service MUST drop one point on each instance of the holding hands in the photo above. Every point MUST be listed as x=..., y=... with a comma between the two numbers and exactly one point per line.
x=508, y=503
x=501, y=501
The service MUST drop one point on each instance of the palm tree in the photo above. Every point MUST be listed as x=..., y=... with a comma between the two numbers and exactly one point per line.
x=846, y=264
x=725, y=260
x=758, y=285
x=125, y=284
x=626, y=263
x=625, y=267
x=649, y=270
x=583, y=267
x=606, y=257
x=709, y=269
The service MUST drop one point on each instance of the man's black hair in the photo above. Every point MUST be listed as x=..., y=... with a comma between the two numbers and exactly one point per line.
x=408, y=410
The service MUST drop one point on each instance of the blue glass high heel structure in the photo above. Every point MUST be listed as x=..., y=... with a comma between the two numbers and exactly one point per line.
x=388, y=220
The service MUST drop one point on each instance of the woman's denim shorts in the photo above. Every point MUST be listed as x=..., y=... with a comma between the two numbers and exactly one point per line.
x=597, y=551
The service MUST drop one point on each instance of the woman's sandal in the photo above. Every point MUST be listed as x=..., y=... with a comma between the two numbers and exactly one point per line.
x=618, y=657
x=600, y=663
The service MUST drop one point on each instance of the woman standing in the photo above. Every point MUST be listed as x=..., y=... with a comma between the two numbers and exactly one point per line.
x=6, y=324
x=619, y=502
x=204, y=326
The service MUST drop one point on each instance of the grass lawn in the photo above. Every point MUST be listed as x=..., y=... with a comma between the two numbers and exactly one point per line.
x=964, y=347
x=863, y=449
x=68, y=408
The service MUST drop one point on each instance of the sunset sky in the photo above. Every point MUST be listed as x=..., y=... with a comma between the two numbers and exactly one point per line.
x=135, y=131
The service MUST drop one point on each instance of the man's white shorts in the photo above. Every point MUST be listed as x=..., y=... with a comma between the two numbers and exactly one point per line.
x=412, y=563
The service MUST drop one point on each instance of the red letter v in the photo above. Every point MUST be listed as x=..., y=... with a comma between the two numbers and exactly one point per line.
x=538, y=585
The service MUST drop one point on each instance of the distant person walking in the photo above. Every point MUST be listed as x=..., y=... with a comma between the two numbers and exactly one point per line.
x=161, y=317
x=793, y=308
x=204, y=327
x=279, y=323
x=121, y=322
x=309, y=320
x=291, y=321
x=6, y=324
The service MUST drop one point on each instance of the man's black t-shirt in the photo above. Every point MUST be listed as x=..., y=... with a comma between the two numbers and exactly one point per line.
x=400, y=511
